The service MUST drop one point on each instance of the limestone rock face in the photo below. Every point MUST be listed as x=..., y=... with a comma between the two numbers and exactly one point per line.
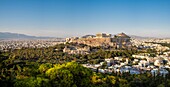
x=120, y=40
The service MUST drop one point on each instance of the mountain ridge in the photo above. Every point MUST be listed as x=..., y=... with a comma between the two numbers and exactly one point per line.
x=9, y=35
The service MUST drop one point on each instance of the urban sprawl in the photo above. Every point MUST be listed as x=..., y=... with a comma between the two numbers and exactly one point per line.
x=155, y=63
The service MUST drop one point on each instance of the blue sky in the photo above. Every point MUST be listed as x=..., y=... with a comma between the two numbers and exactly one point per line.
x=65, y=18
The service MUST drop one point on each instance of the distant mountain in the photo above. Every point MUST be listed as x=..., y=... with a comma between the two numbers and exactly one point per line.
x=8, y=35
x=132, y=36
x=85, y=36
x=141, y=37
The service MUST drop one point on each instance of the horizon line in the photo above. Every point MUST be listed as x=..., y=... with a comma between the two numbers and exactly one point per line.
x=79, y=35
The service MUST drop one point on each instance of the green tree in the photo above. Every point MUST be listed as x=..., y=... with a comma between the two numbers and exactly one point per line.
x=70, y=74
x=32, y=82
x=44, y=67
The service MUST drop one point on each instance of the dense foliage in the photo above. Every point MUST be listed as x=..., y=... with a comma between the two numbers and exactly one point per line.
x=47, y=67
x=55, y=55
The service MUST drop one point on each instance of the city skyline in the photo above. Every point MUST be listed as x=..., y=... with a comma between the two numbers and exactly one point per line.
x=65, y=18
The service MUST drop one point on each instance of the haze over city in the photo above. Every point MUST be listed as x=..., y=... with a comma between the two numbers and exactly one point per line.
x=65, y=18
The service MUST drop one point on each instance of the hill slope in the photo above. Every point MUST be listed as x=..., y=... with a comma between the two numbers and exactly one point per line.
x=8, y=35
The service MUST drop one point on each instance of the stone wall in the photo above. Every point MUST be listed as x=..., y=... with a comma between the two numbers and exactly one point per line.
x=95, y=41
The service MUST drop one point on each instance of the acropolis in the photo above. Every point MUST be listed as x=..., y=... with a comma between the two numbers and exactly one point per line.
x=120, y=40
